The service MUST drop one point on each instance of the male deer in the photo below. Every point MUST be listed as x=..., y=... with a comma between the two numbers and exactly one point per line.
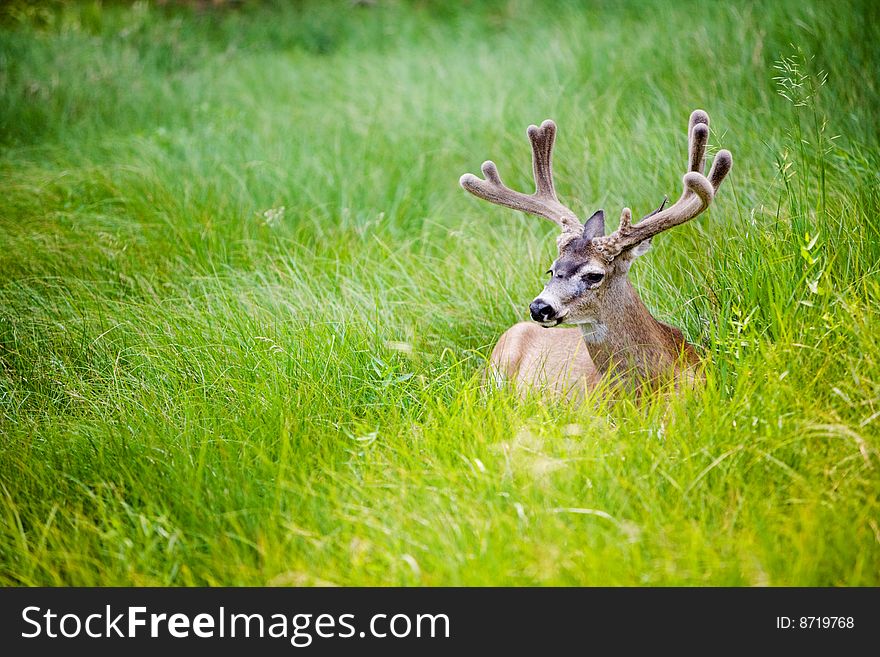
x=589, y=285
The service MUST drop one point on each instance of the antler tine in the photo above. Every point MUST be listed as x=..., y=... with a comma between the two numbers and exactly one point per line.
x=543, y=202
x=697, y=193
x=720, y=168
x=542, y=140
x=698, y=137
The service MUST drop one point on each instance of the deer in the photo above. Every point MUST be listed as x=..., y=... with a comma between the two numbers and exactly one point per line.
x=614, y=337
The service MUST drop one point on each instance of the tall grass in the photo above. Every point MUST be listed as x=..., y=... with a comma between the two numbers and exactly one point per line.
x=244, y=305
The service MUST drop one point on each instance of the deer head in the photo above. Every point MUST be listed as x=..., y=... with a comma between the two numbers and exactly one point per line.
x=586, y=278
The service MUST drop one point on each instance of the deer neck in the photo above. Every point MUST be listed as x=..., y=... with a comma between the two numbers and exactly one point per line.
x=627, y=342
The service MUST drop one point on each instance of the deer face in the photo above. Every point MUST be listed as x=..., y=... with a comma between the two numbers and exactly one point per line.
x=573, y=294
x=580, y=279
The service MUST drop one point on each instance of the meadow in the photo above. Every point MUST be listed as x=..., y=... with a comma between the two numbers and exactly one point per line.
x=245, y=306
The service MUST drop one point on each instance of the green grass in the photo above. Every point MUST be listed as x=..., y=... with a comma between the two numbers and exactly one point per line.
x=197, y=387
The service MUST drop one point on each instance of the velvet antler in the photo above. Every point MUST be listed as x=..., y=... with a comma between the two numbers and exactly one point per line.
x=696, y=196
x=543, y=202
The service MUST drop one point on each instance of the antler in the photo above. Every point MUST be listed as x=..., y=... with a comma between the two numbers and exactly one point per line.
x=543, y=202
x=696, y=196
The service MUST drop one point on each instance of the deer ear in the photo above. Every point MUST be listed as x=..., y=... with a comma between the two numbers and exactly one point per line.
x=595, y=226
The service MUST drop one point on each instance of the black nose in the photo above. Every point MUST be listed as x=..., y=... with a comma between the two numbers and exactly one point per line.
x=541, y=311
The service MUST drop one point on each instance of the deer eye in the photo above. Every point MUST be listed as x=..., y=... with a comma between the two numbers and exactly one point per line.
x=594, y=277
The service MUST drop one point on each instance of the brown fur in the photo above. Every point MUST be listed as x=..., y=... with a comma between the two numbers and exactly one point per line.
x=553, y=361
x=639, y=351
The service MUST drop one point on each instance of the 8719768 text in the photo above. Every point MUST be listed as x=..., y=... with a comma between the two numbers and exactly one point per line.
x=815, y=622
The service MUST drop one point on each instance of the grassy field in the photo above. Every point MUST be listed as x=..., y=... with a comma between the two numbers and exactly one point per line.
x=244, y=304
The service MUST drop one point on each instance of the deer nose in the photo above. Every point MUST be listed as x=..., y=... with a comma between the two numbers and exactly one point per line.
x=541, y=311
